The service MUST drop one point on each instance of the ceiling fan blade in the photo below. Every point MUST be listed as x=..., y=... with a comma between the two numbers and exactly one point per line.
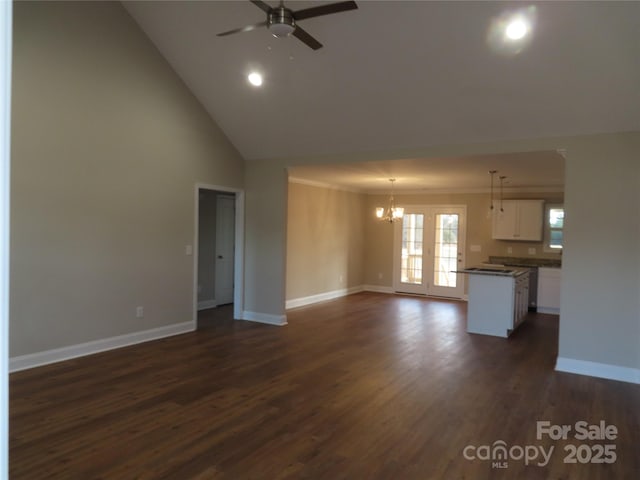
x=304, y=37
x=261, y=5
x=248, y=28
x=324, y=10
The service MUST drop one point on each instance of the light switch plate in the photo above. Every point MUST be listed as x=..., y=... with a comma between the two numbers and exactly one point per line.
x=188, y=250
x=476, y=248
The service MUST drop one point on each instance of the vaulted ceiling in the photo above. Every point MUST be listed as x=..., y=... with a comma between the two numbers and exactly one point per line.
x=404, y=75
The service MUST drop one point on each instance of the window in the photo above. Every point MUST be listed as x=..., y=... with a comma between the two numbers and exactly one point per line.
x=554, y=228
x=411, y=258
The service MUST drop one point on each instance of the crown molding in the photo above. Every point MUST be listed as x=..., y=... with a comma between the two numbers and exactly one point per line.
x=437, y=191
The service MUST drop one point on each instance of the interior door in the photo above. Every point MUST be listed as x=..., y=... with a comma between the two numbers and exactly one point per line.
x=225, y=239
x=428, y=248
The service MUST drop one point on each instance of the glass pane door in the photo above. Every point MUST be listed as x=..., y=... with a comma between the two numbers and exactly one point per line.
x=446, y=250
x=412, y=242
x=409, y=253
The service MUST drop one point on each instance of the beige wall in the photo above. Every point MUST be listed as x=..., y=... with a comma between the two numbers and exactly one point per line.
x=379, y=235
x=265, y=241
x=107, y=146
x=325, y=240
x=600, y=298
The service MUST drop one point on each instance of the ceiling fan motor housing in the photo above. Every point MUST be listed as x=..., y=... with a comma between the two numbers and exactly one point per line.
x=281, y=22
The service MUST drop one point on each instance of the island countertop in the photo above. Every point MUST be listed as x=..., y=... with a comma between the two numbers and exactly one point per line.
x=526, y=262
x=499, y=270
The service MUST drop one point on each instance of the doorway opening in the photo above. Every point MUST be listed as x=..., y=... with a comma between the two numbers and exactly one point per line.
x=219, y=259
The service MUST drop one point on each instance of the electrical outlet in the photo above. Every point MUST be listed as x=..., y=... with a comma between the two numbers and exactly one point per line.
x=379, y=275
x=188, y=250
x=532, y=251
x=509, y=250
x=139, y=312
x=341, y=278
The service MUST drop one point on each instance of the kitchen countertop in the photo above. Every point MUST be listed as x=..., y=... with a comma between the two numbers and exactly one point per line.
x=526, y=262
x=495, y=270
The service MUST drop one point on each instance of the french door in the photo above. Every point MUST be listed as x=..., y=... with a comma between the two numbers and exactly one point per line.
x=428, y=247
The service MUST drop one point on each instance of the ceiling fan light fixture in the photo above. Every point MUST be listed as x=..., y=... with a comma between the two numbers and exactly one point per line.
x=281, y=22
x=281, y=29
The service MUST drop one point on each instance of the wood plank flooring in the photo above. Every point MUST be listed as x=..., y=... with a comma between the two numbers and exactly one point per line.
x=370, y=386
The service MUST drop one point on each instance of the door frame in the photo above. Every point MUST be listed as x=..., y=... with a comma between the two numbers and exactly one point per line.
x=428, y=211
x=238, y=261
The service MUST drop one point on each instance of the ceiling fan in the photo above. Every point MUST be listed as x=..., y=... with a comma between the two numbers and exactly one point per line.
x=282, y=21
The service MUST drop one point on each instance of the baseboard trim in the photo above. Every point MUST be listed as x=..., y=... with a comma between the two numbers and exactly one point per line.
x=600, y=370
x=205, y=304
x=321, y=297
x=269, y=319
x=549, y=310
x=378, y=289
x=32, y=360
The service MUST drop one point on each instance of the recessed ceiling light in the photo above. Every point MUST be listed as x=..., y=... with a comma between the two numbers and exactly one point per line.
x=512, y=31
x=255, y=79
x=516, y=29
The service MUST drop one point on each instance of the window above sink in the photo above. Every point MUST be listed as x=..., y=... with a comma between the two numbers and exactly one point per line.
x=553, y=228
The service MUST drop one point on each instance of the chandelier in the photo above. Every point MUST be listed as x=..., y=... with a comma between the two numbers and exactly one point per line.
x=393, y=213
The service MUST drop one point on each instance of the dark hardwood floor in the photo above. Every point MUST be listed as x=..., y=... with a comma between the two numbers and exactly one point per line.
x=370, y=386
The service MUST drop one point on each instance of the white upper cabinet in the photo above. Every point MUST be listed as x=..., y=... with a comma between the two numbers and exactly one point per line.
x=519, y=220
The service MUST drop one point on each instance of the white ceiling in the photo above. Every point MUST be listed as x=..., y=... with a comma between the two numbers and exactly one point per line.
x=404, y=75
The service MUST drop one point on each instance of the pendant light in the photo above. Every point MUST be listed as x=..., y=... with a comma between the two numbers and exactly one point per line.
x=492, y=173
x=502, y=178
x=393, y=213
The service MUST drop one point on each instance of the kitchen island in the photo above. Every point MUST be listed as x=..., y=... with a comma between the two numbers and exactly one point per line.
x=498, y=299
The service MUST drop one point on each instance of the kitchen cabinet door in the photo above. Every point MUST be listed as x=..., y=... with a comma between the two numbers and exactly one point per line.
x=504, y=221
x=530, y=219
x=518, y=220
